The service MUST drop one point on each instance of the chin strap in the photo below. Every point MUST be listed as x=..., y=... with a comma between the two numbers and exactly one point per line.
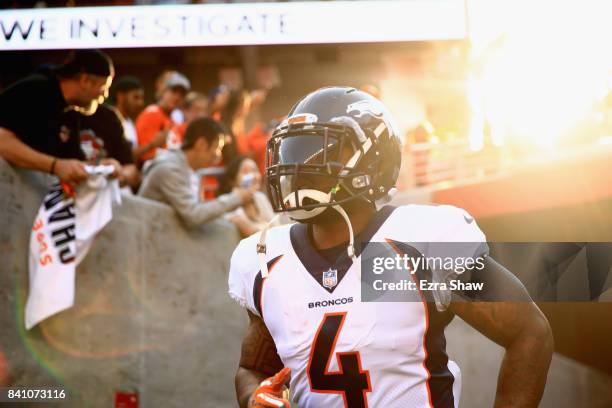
x=261, y=245
x=350, y=250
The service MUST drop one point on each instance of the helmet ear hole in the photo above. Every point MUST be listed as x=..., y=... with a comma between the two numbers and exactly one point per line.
x=360, y=181
x=309, y=201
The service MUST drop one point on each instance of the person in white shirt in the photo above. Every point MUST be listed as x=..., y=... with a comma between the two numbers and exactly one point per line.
x=252, y=217
x=128, y=94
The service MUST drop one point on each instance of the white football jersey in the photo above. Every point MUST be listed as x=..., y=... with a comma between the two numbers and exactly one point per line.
x=343, y=352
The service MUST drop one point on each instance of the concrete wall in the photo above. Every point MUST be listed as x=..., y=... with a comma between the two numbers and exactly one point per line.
x=151, y=310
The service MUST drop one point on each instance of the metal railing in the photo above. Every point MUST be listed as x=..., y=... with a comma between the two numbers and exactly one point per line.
x=426, y=164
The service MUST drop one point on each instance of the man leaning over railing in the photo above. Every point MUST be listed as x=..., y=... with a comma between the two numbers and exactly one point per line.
x=170, y=177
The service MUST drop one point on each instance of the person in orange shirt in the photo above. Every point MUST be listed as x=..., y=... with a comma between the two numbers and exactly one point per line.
x=154, y=123
x=196, y=106
x=257, y=139
x=234, y=116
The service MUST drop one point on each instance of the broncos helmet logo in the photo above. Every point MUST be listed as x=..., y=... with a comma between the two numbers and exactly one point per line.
x=360, y=108
x=372, y=109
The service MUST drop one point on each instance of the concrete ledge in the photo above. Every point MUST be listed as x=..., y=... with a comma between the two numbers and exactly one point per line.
x=151, y=310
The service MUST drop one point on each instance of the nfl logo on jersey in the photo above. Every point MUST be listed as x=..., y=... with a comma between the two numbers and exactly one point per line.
x=330, y=278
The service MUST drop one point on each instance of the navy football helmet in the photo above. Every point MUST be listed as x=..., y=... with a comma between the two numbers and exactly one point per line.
x=336, y=144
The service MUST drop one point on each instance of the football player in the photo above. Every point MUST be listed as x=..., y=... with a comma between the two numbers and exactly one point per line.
x=329, y=165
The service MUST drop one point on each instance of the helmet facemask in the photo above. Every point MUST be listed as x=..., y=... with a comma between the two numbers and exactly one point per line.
x=313, y=166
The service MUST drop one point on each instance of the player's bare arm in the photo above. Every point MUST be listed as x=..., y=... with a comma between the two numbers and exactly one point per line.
x=258, y=360
x=520, y=327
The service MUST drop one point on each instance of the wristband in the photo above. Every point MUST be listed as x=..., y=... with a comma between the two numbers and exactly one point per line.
x=52, y=171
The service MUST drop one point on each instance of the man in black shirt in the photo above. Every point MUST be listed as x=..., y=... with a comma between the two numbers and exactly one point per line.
x=101, y=137
x=31, y=131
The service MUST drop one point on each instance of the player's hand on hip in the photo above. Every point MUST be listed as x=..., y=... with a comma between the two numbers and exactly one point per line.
x=272, y=392
x=70, y=171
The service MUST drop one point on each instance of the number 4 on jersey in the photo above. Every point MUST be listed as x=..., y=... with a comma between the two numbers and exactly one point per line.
x=350, y=381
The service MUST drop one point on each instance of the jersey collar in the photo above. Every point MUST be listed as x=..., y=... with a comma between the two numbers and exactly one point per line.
x=316, y=264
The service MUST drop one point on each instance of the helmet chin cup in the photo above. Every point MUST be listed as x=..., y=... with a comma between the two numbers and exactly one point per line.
x=315, y=195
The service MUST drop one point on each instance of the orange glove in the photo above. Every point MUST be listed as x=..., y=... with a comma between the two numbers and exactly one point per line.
x=272, y=392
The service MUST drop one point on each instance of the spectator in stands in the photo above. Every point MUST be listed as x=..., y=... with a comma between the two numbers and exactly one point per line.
x=218, y=98
x=169, y=178
x=128, y=95
x=257, y=139
x=31, y=132
x=223, y=103
x=196, y=106
x=154, y=123
x=235, y=115
x=176, y=115
x=101, y=137
x=251, y=217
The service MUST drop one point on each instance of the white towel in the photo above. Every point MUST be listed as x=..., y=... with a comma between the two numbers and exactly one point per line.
x=63, y=231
